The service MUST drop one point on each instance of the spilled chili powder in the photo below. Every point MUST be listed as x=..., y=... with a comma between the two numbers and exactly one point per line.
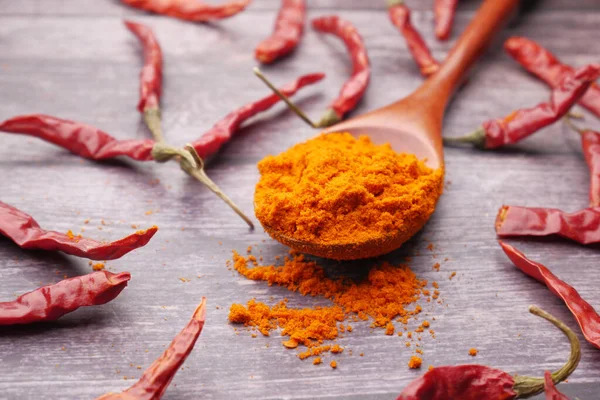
x=384, y=297
x=335, y=190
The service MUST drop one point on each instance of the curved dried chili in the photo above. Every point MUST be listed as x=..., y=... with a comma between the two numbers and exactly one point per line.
x=150, y=77
x=212, y=140
x=541, y=63
x=444, y=11
x=355, y=87
x=522, y=123
x=193, y=10
x=156, y=379
x=400, y=16
x=51, y=302
x=587, y=318
x=83, y=140
x=476, y=382
x=22, y=229
x=287, y=33
x=581, y=226
x=590, y=144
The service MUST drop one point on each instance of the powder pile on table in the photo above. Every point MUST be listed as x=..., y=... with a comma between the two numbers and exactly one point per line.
x=388, y=294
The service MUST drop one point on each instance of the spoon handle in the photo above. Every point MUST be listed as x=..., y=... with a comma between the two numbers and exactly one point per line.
x=490, y=18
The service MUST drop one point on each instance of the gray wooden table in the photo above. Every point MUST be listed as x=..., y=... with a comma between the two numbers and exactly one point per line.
x=75, y=59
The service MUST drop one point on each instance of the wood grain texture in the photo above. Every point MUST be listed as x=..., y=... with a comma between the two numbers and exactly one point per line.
x=75, y=59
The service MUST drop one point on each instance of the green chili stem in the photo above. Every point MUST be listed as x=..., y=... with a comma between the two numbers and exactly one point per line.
x=152, y=118
x=330, y=117
x=193, y=165
x=198, y=173
x=526, y=386
x=392, y=3
x=285, y=99
x=476, y=139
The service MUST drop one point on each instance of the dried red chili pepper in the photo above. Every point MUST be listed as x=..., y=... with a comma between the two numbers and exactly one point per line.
x=355, y=87
x=190, y=10
x=83, y=140
x=551, y=391
x=92, y=143
x=49, y=303
x=150, y=77
x=544, y=65
x=400, y=16
x=444, y=11
x=22, y=229
x=155, y=380
x=477, y=382
x=590, y=143
x=587, y=318
x=211, y=141
x=522, y=123
x=582, y=226
x=287, y=33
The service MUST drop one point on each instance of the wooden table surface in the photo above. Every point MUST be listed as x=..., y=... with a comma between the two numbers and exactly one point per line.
x=75, y=59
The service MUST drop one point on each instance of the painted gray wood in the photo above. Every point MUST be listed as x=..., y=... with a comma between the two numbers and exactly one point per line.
x=74, y=59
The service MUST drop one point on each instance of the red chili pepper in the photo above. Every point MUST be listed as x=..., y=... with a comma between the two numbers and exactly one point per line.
x=552, y=392
x=49, y=303
x=522, y=123
x=288, y=31
x=83, y=140
x=581, y=226
x=92, y=143
x=211, y=141
x=355, y=87
x=545, y=66
x=400, y=16
x=27, y=234
x=587, y=318
x=590, y=143
x=190, y=10
x=150, y=77
x=444, y=11
x=155, y=380
x=478, y=382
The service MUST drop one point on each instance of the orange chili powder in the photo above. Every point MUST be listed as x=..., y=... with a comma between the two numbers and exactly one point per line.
x=381, y=297
x=415, y=362
x=336, y=189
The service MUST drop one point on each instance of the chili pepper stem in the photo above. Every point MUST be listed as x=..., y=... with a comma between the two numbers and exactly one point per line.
x=330, y=117
x=285, y=99
x=193, y=165
x=392, y=3
x=526, y=386
x=476, y=139
x=152, y=118
x=198, y=173
x=162, y=152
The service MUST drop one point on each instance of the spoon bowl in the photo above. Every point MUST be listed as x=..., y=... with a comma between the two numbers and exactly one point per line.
x=413, y=125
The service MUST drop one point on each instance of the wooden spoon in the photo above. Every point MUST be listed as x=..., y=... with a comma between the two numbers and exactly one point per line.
x=414, y=125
